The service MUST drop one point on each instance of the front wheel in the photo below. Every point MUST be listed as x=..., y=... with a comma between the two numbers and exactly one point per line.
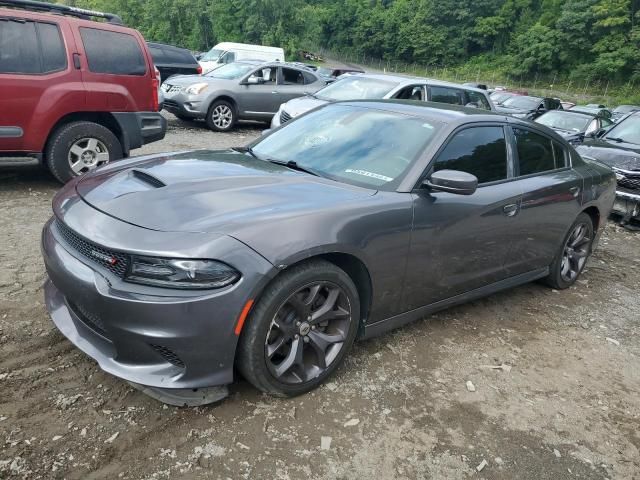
x=572, y=257
x=300, y=330
x=221, y=116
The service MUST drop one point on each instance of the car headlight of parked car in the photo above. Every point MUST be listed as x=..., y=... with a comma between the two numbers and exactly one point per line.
x=181, y=273
x=196, y=88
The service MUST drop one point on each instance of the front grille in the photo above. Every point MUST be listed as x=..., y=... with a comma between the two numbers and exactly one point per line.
x=284, y=117
x=631, y=183
x=170, y=104
x=168, y=355
x=116, y=262
x=90, y=319
x=168, y=88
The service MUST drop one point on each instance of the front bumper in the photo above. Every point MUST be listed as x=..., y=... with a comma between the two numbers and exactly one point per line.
x=190, y=106
x=150, y=336
x=627, y=204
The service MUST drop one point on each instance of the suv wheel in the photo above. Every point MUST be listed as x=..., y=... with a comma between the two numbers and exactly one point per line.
x=300, y=330
x=79, y=147
x=221, y=116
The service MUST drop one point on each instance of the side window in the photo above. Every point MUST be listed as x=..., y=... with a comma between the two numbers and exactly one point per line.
x=481, y=151
x=446, y=95
x=228, y=57
x=477, y=100
x=411, y=92
x=54, y=56
x=560, y=155
x=291, y=76
x=268, y=75
x=112, y=52
x=535, y=153
x=19, y=51
x=308, y=78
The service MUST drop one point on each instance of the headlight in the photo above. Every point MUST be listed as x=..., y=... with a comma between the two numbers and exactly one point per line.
x=196, y=88
x=180, y=273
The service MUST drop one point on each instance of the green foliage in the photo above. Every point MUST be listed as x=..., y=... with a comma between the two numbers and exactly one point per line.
x=580, y=39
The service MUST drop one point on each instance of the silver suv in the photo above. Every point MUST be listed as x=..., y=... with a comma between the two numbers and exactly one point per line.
x=380, y=86
x=246, y=90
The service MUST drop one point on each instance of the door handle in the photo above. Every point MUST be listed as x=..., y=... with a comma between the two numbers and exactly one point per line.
x=510, y=210
x=76, y=61
x=274, y=92
x=574, y=191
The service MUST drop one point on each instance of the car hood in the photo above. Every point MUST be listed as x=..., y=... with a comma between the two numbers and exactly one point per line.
x=301, y=105
x=209, y=191
x=185, y=80
x=621, y=156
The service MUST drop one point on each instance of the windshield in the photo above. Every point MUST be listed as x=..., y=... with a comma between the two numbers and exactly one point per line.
x=565, y=121
x=356, y=88
x=628, y=130
x=626, y=109
x=230, y=70
x=212, y=55
x=352, y=144
x=526, y=103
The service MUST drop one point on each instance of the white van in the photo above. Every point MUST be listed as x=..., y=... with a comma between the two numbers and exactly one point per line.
x=228, y=52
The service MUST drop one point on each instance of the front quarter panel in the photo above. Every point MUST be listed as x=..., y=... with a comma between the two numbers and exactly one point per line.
x=376, y=230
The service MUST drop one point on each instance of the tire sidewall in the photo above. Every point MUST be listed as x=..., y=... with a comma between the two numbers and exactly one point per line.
x=268, y=306
x=209, y=119
x=556, y=267
x=63, y=139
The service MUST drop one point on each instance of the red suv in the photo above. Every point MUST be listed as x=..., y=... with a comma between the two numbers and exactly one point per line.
x=74, y=93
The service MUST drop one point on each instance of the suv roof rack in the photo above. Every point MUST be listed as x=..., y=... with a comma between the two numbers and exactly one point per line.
x=61, y=9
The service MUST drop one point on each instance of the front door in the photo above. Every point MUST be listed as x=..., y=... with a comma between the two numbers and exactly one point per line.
x=460, y=243
x=259, y=100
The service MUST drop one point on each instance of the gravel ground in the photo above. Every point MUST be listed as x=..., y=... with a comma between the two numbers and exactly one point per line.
x=555, y=374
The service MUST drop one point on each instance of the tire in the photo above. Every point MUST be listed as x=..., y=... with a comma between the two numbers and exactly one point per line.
x=69, y=142
x=572, y=255
x=221, y=116
x=262, y=334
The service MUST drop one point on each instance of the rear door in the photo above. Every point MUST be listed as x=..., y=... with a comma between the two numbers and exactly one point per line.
x=551, y=199
x=115, y=69
x=460, y=243
x=292, y=83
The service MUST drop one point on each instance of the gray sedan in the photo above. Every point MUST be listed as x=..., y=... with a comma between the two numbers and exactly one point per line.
x=176, y=270
x=238, y=91
x=372, y=86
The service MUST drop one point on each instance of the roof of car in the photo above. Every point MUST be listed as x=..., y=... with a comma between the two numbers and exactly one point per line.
x=407, y=80
x=165, y=45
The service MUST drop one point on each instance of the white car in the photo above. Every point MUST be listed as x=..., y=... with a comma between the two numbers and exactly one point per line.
x=228, y=52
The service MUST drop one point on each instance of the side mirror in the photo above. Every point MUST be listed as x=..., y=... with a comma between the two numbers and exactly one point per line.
x=452, y=181
x=596, y=133
x=255, y=81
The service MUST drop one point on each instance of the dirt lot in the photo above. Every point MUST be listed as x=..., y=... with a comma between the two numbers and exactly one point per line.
x=565, y=404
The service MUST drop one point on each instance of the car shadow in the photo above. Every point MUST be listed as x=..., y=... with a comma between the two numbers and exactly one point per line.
x=33, y=175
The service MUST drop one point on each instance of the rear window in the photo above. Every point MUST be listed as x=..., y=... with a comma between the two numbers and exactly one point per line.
x=478, y=100
x=30, y=47
x=535, y=152
x=176, y=55
x=446, y=95
x=112, y=52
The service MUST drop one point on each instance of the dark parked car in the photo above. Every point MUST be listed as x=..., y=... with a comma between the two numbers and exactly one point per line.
x=354, y=219
x=527, y=107
x=75, y=93
x=498, y=97
x=572, y=124
x=619, y=148
x=172, y=60
x=620, y=111
x=335, y=72
x=245, y=90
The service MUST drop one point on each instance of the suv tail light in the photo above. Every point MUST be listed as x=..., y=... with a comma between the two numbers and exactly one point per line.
x=155, y=84
x=199, y=70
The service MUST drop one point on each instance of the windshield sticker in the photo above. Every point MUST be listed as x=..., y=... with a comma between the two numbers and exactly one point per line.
x=364, y=173
x=427, y=125
x=315, y=141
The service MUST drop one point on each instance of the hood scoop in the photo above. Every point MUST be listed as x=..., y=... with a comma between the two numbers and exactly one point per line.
x=147, y=178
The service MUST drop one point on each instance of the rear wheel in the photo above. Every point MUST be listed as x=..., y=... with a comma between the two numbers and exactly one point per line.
x=79, y=147
x=221, y=116
x=300, y=330
x=572, y=257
